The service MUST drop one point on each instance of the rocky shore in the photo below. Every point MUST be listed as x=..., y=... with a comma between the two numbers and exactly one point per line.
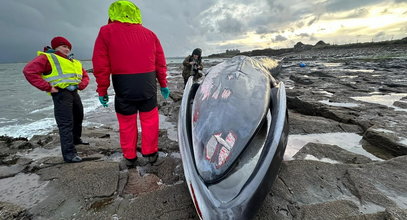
x=348, y=106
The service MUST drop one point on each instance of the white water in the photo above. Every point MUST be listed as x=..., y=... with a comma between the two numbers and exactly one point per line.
x=26, y=111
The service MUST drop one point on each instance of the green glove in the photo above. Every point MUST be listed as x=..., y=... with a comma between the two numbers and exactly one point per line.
x=165, y=92
x=104, y=100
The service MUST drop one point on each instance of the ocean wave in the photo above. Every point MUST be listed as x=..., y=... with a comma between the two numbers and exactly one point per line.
x=43, y=126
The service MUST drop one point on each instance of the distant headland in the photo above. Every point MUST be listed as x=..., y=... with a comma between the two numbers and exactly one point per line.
x=301, y=47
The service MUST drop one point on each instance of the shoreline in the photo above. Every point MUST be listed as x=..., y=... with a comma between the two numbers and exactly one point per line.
x=322, y=175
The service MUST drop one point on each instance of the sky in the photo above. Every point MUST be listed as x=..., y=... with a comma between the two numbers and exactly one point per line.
x=215, y=26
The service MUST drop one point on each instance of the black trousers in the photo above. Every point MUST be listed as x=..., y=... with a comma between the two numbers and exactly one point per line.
x=68, y=111
x=130, y=107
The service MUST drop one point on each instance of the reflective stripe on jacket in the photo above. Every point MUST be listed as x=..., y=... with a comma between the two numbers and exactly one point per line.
x=64, y=72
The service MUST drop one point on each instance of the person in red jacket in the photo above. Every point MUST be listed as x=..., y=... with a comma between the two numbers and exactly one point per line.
x=133, y=56
x=55, y=72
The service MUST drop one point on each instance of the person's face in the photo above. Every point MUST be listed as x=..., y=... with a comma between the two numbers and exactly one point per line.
x=196, y=56
x=63, y=49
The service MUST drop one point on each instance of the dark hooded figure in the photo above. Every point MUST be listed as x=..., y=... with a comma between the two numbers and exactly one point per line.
x=192, y=64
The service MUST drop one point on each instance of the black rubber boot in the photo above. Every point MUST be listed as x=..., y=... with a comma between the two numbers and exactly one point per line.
x=152, y=158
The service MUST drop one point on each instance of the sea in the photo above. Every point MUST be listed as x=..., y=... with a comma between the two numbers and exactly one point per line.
x=26, y=111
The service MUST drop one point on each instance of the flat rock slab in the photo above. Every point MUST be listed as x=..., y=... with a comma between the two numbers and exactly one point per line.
x=304, y=188
x=86, y=179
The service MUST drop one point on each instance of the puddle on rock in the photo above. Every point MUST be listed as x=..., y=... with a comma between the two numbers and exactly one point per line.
x=332, y=64
x=100, y=204
x=339, y=104
x=39, y=153
x=347, y=141
x=170, y=127
x=387, y=100
x=323, y=92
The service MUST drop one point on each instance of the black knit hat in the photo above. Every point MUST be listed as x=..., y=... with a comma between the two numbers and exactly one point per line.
x=197, y=51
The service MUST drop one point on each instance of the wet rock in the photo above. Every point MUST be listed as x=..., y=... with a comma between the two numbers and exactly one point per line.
x=169, y=170
x=304, y=188
x=386, y=139
x=331, y=154
x=83, y=179
x=165, y=144
x=176, y=96
x=304, y=80
x=21, y=144
x=303, y=124
x=329, y=210
x=11, y=211
x=138, y=184
x=10, y=159
x=73, y=184
x=171, y=202
x=9, y=171
x=401, y=104
x=389, y=213
x=25, y=190
x=41, y=140
x=9, y=146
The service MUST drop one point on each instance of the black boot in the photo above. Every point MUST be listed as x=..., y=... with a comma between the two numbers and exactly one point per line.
x=75, y=159
x=152, y=158
x=80, y=141
x=130, y=163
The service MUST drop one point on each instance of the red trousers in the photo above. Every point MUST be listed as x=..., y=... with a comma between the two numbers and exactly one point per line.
x=149, y=133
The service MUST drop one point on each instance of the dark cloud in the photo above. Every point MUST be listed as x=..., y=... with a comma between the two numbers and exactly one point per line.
x=358, y=13
x=230, y=25
x=303, y=35
x=344, y=5
x=300, y=24
x=380, y=34
x=181, y=25
x=279, y=38
x=30, y=25
x=312, y=21
x=262, y=30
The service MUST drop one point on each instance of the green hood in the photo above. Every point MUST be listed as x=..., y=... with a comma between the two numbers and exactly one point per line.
x=125, y=11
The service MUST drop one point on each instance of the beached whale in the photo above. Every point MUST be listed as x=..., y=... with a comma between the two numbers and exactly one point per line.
x=232, y=133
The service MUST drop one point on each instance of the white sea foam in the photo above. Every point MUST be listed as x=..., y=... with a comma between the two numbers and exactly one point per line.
x=28, y=130
x=48, y=108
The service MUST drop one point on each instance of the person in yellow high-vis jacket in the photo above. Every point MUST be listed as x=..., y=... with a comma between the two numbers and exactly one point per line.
x=54, y=72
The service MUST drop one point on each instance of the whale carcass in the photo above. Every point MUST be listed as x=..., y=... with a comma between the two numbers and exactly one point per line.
x=232, y=132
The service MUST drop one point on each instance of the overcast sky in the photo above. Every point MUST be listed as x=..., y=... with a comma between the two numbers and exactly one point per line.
x=26, y=26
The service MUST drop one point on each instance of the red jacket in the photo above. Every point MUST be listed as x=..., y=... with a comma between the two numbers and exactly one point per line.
x=135, y=58
x=40, y=64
